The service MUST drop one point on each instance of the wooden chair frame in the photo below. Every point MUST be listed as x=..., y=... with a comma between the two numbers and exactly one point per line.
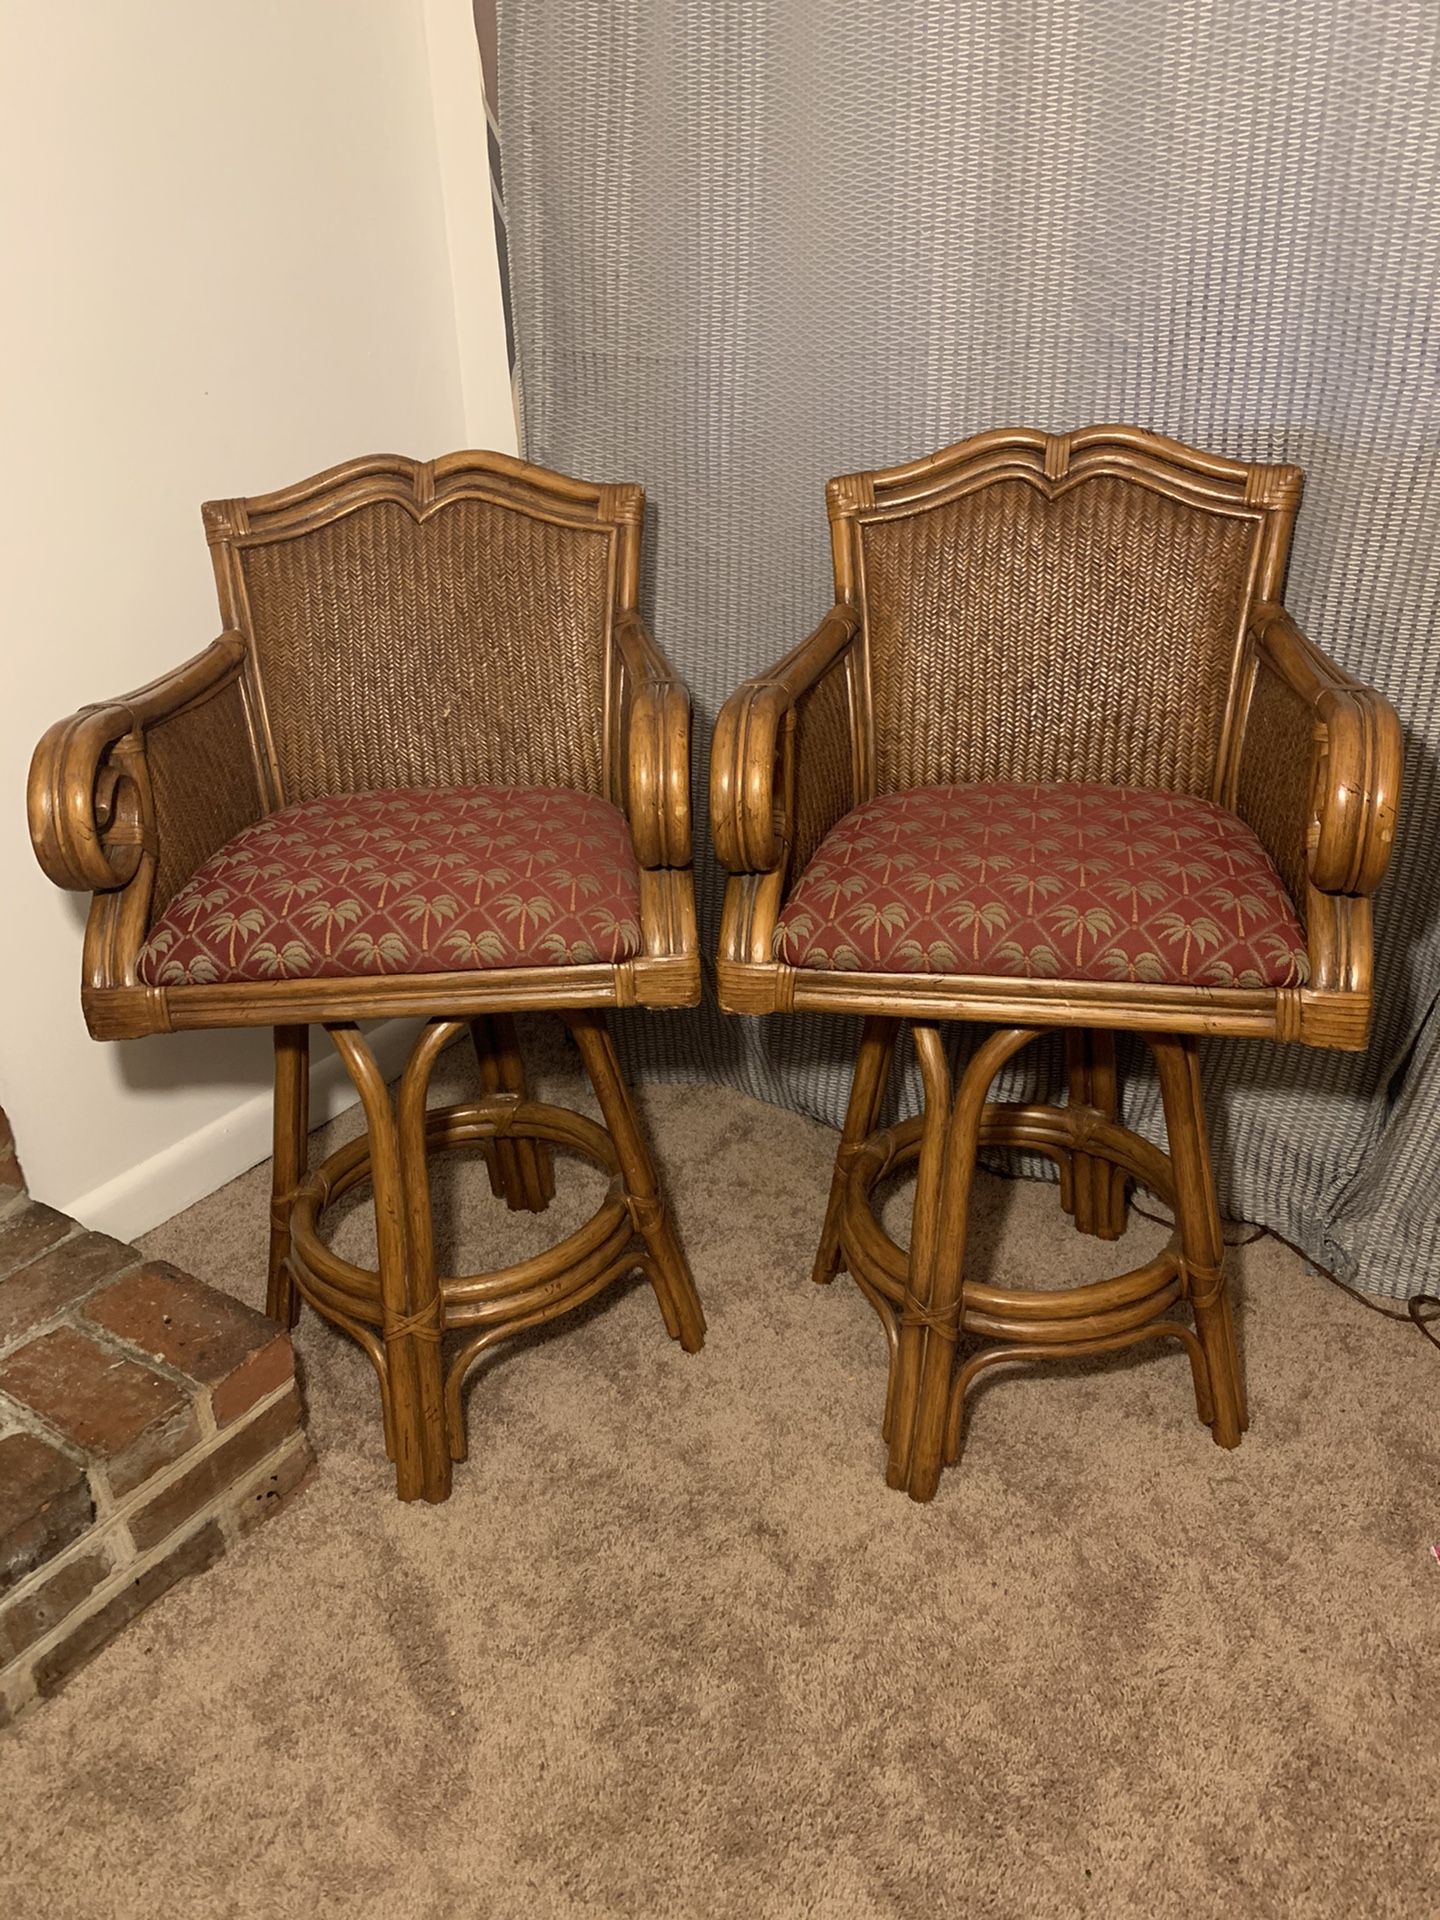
x=774, y=788
x=1355, y=761
x=96, y=826
x=104, y=821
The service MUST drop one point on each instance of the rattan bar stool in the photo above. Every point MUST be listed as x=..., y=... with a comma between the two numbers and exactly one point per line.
x=434, y=766
x=1056, y=758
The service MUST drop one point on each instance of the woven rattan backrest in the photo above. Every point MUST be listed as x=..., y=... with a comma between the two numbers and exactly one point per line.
x=204, y=791
x=1043, y=608
x=429, y=624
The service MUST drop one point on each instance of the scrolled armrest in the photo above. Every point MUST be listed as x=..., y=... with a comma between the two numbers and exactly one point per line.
x=750, y=808
x=91, y=806
x=655, y=738
x=1356, y=750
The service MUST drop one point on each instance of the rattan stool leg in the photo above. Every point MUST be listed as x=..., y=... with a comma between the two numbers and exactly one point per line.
x=410, y=1300
x=867, y=1090
x=904, y=1389
x=1093, y=1189
x=292, y=1130
x=666, y=1265
x=1202, y=1245
x=426, y=1302
x=522, y=1172
x=940, y=1306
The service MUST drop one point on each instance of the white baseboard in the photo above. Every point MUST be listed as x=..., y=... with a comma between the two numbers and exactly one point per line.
x=169, y=1182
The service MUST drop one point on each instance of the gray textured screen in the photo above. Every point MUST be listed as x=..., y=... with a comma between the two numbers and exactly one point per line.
x=754, y=245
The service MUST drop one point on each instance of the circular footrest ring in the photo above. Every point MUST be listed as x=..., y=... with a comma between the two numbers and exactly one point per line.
x=1114, y=1309
x=539, y=1286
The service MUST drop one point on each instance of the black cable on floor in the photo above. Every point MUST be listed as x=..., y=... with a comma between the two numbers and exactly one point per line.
x=1419, y=1310
x=1415, y=1309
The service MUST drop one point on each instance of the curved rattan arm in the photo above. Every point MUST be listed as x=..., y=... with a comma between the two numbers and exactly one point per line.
x=1357, y=753
x=92, y=814
x=655, y=737
x=750, y=808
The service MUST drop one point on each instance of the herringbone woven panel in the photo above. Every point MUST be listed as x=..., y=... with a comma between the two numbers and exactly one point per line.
x=205, y=792
x=755, y=246
x=395, y=655
x=985, y=669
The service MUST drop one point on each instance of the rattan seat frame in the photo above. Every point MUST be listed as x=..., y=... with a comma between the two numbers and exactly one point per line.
x=922, y=673
x=393, y=623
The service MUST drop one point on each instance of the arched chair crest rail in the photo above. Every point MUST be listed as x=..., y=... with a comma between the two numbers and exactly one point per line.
x=434, y=766
x=1057, y=757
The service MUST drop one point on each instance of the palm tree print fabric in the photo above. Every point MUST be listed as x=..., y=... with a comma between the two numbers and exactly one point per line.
x=1066, y=882
x=407, y=882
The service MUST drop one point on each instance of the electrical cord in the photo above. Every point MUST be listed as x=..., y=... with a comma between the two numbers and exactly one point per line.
x=1418, y=1311
x=1163, y=1220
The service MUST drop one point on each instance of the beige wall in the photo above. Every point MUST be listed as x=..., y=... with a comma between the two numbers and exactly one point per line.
x=241, y=241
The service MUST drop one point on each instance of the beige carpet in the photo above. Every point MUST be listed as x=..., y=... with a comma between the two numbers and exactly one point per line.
x=673, y=1649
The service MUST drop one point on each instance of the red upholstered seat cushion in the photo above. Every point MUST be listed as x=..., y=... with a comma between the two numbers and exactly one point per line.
x=407, y=882
x=1067, y=882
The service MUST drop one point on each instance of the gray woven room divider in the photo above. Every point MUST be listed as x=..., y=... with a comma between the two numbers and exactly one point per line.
x=755, y=245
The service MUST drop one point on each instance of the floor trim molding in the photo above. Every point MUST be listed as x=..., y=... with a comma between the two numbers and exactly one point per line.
x=175, y=1178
